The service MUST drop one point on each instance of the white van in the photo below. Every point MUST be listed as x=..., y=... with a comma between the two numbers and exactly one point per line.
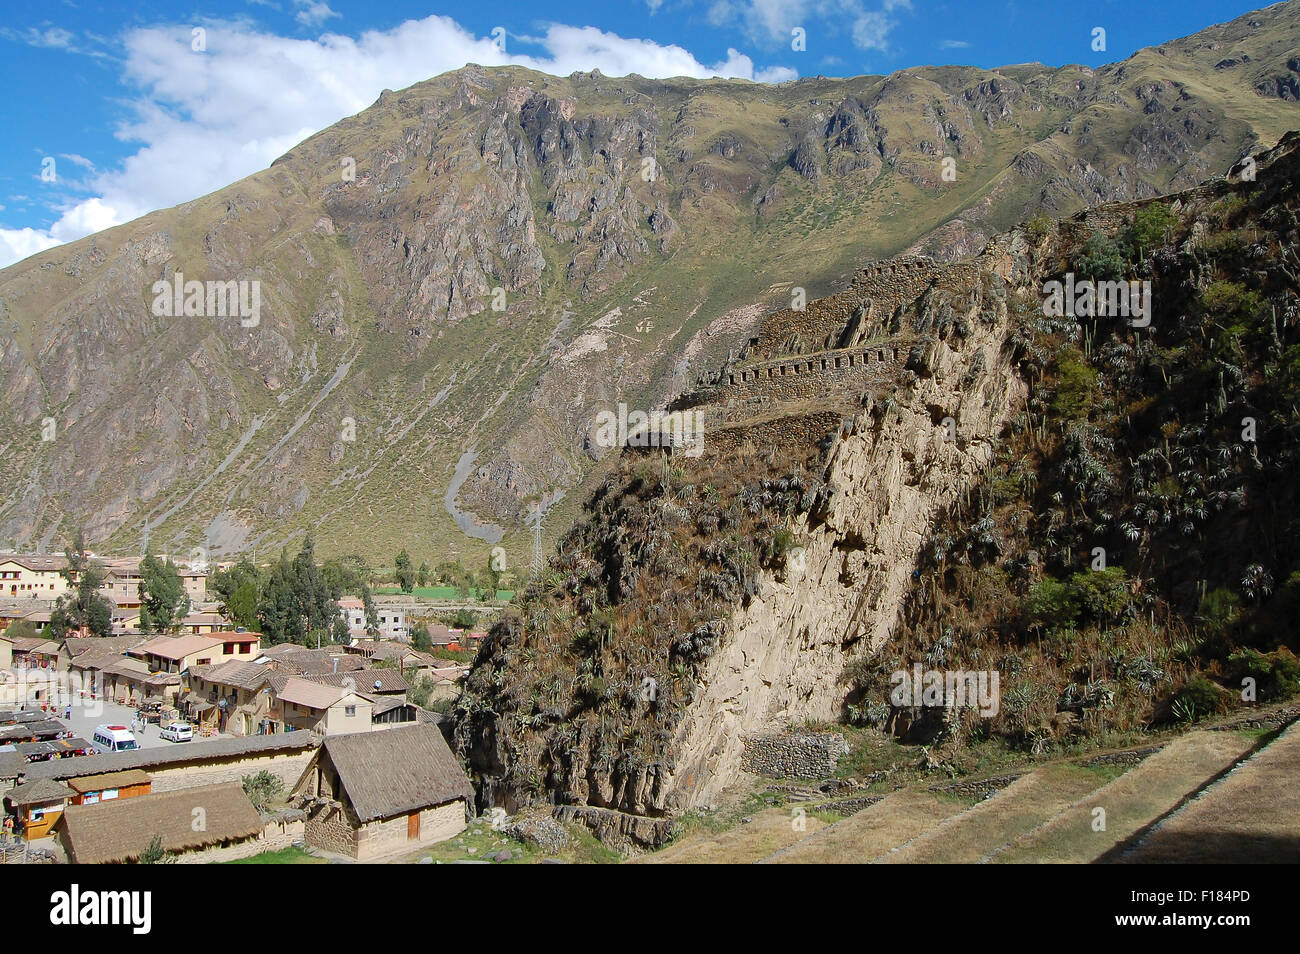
x=113, y=738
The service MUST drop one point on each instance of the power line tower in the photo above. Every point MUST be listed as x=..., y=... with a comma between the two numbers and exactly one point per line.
x=537, y=541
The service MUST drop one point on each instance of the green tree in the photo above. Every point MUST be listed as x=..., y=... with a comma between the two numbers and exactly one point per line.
x=404, y=573
x=85, y=606
x=372, y=617
x=296, y=604
x=264, y=789
x=163, y=601
x=421, y=639
x=422, y=575
x=238, y=589
x=154, y=854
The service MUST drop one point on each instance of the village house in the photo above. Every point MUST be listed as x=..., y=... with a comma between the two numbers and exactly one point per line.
x=235, y=697
x=33, y=576
x=75, y=647
x=193, y=764
x=121, y=830
x=179, y=653
x=408, y=660
x=325, y=710
x=391, y=620
x=375, y=794
x=123, y=577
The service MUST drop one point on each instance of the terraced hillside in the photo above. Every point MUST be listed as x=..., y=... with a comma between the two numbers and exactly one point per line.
x=518, y=252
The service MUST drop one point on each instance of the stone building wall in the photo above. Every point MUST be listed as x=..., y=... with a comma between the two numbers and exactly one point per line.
x=793, y=755
x=276, y=835
x=388, y=836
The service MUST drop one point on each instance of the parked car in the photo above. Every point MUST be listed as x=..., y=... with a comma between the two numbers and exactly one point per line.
x=177, y=732
x=113, y=738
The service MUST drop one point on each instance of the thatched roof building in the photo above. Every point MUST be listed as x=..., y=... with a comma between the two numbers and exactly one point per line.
x=122, y=830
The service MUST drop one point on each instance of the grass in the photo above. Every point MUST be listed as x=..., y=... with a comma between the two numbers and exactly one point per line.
x=478, y=842
x=988, y=825
x=873, y=831
x=292, y=855
x=1135, y=799
x=1251, y=815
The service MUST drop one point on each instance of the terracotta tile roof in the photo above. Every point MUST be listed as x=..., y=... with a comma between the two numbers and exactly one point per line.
x=302, y=692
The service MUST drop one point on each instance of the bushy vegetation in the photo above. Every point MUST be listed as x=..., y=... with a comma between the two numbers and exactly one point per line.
x=594, y=666
x=1172, y=452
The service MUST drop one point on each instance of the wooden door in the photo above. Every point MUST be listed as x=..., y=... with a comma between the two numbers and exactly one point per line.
x=413, y=826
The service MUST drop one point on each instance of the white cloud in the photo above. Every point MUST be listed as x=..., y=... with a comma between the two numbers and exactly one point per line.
x=206, y=119
x=954, y=44
x=770, y=21
x=314, y=12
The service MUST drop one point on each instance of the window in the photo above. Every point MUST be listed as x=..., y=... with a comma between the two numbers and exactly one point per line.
x=349, y=711
x=228, y=649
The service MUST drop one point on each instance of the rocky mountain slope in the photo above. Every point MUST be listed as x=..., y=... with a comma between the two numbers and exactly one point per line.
x=926, y=469
x=516, y=253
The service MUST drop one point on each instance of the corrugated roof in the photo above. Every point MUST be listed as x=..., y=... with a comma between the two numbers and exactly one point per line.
x=394, y=771
x=122, y=829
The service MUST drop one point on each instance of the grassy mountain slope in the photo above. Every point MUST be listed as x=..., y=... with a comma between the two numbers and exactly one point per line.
x=619, y=285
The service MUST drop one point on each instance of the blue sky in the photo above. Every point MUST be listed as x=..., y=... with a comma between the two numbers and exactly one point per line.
x=110, y=111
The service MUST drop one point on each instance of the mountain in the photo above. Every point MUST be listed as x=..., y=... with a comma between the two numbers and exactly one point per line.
x=945, y=468
x=455, y=282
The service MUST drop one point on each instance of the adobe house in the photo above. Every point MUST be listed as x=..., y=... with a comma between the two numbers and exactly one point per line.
x=121, y=830
x=377, y=793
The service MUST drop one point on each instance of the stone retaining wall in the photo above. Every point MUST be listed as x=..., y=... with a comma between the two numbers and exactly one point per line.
x=793, y=755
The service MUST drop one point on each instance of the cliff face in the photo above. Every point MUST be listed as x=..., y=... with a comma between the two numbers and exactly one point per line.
x=920, y=468
x=739, y=583
x=890, y=470
x=636, y=230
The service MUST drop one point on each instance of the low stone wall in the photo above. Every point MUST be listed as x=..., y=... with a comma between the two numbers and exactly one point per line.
x=275, y=836
x=793, y=755
x=287, y=767
x=977, y=788
x=619, y=829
